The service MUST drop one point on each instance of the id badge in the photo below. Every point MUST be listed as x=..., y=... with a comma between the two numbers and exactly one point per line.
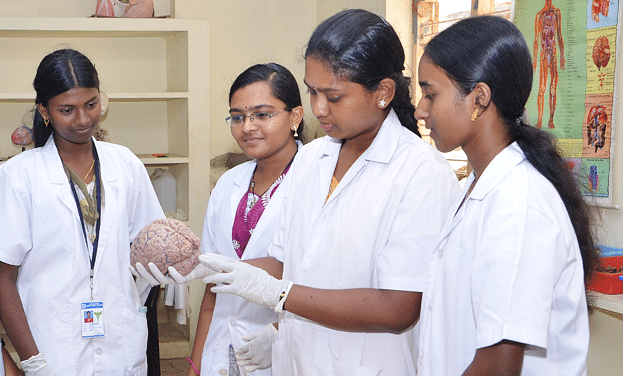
x=92, y=319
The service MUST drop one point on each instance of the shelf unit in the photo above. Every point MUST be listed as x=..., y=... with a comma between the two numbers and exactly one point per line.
x=611, y=303
x=155, y=73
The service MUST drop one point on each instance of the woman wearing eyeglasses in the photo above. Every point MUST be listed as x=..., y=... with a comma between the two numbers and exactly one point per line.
x=266, y=119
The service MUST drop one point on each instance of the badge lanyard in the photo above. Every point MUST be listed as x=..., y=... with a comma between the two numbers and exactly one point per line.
x=98, y=194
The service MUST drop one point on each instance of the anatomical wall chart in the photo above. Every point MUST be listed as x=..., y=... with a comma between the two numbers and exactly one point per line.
x=573, y=47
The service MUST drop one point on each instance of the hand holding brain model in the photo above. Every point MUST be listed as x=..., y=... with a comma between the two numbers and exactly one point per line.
x=165, y=246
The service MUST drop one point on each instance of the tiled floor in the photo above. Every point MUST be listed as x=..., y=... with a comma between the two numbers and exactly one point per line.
x=173, y=367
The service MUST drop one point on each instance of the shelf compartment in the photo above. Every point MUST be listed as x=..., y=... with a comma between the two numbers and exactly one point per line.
x=181, y=174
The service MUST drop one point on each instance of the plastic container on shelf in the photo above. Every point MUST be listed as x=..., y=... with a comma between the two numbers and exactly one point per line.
x=166, y=189
x=608, y=283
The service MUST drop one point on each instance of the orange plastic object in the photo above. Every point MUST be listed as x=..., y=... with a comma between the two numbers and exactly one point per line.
x=608, y=283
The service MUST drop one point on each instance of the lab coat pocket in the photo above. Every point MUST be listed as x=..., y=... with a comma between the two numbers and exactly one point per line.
x=314, y=354
x=52, y=324
x=345, y=351
x=279, y=357
x=126, y=329
x=137, y=370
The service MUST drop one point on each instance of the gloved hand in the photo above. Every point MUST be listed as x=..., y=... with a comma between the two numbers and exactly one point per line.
x=154, y=276
x=200, y=271
x=36, y=366
x=244, y=280
x=257, y=351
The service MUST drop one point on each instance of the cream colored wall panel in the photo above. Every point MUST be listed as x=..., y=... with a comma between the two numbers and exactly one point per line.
x=123, y=64
x=327, y=8
x=243, y=33
x=67, y=8
x=140, y=126
x=604, y=356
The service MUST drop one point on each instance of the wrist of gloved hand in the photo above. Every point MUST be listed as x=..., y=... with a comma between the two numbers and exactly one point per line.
x=256, y=353
x=199, y=272
x=36, y=365
x=154, y=276
x=244, y=280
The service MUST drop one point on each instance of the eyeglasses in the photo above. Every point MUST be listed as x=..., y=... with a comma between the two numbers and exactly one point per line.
x=259, y=118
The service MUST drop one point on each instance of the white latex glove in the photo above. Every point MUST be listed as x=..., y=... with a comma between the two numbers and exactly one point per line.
x=144, y=288
x=36, y=366
x=154, y=276
x=244, y=280
x=257, y=351
x=200, y=271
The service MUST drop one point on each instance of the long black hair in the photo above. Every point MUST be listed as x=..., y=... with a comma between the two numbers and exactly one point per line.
x=281, y=81
x=58, y=72
x=492, y=50
x=364, y=48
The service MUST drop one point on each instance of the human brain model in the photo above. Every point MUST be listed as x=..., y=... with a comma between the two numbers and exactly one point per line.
x=166, y=242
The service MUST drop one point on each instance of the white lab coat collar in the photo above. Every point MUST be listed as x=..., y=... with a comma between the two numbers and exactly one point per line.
x=503, y=163
x=383, y=145
x=381, y=151
x=54, y=167
x=241, y=181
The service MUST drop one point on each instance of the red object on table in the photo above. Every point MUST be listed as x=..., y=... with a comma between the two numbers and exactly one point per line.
x=607, y=283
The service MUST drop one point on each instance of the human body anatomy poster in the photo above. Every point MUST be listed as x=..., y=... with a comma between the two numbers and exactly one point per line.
x=573, y=47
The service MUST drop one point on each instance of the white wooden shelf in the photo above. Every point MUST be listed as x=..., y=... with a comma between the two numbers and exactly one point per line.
x=115, y=97
x=169, y=159
x=612, y=303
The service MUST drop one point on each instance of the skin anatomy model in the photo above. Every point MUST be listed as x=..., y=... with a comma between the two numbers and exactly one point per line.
x=600, y=6
x=547, y=31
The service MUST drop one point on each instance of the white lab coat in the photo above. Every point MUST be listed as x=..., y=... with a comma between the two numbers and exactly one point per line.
x=233, y=316
x=1, y=366
x=41, y=231
x=507, y=267
x=377, y=230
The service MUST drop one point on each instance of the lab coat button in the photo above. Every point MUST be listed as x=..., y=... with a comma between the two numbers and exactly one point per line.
x=232, y=322
x=98, y=351
x=222, y=372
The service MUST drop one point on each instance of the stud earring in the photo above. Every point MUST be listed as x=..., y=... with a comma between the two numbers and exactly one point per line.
x=382, y=103
x=46, y=121
x=475, y=115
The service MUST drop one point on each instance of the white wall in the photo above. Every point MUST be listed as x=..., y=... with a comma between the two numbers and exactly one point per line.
x=327, y=8
x=246, y=32
x=243, y=33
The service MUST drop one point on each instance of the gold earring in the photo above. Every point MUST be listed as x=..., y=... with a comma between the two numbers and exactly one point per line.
x=296, y=133
x=46, y=121
x=475, y=115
